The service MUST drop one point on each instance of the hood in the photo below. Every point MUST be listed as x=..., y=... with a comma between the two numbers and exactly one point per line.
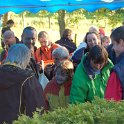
x=87, y=67
x=11, y=75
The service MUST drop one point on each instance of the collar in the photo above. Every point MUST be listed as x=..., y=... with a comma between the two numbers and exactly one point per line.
x=47, y=48
x=89, y=70
x=13, y=64
x=120, y=58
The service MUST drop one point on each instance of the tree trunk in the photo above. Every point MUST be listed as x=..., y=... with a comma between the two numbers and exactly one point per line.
x=5, y=18
x=61, y=21
x=23, y=19
x=49, y=22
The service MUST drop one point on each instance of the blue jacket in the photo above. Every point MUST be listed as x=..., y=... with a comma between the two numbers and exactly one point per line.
x=111, y=54
x=78, y=54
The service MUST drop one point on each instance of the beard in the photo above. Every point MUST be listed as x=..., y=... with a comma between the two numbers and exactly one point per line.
x=60, y=81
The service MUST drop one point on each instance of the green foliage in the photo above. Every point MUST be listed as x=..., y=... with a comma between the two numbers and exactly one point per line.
x=116, y=17
x=111, y=18
x=99, y=111
x=101, y=18
x=42, y=14
x=74, y=17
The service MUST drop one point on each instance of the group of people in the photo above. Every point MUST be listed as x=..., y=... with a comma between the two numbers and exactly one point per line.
x=75, y=75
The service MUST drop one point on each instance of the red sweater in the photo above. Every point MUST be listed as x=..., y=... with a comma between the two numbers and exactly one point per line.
x=57, y=95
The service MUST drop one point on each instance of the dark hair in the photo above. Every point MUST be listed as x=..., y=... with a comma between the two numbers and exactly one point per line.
x=10, y=21
x=98, y=54
x=66, y=33
x=118, y=34
x=85, y=38
x=28, y=28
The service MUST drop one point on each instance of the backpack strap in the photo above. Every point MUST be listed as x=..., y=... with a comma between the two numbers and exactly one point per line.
x=41, y=52
x=51, y=50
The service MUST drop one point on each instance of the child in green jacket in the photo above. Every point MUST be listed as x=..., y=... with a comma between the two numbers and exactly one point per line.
x=91, y=76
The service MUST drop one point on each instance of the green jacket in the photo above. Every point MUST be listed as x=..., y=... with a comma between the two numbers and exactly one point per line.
x=84, y=88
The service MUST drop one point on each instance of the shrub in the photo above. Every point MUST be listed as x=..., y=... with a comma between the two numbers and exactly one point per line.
x=99, y=111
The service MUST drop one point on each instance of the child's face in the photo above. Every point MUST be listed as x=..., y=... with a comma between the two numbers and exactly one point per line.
x=96, y=66
x=106, y=42
x=118, y=47
x=61, y=76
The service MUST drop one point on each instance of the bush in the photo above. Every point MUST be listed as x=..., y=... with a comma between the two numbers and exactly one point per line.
x=98, y=112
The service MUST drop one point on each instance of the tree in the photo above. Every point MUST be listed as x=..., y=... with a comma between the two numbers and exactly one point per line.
x=116, y=17
x=73, y=18
x=5, y=18
x=111, y=18
x=61, y=21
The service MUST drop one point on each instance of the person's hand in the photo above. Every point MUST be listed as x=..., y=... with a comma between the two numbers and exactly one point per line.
x=39, y=66
x=48, y=69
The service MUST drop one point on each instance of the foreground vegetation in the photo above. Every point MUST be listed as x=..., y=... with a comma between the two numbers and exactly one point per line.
x=98, y=112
